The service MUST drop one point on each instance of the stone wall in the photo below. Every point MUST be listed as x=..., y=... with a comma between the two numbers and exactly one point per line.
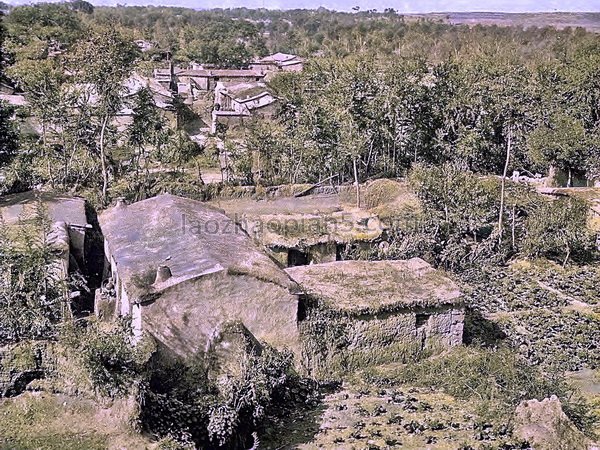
x=334, y=343
x=186, y=317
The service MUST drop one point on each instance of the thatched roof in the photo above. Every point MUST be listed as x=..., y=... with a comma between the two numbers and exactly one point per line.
x=216, y=73
x=278, y=58
x=190, y=237
x=370, y=287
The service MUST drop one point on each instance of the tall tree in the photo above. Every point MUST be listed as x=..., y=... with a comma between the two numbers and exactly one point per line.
x=562, y=143
x=102, y=63
x=8, y=134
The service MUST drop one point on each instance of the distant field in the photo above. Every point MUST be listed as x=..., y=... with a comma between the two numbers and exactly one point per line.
x=589, y=21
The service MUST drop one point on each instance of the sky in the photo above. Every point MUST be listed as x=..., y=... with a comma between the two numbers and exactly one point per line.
x=402, y=6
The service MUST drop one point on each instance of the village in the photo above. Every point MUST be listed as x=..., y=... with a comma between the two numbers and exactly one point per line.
x=211, y=255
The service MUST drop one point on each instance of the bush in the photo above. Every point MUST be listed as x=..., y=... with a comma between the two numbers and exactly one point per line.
x=558, y=230
x=180, y=400
x=31, y=291
x=107, y=355
x=462, y=212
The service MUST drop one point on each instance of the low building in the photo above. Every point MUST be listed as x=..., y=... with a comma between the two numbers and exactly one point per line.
x=183, y=270
x=199, y=82
x=357, y=313
x=66, y=218
x=278, y=62
x=145, y=46
x=163, y=99
x=15, y=100
x=241, y=101
x=311, y=229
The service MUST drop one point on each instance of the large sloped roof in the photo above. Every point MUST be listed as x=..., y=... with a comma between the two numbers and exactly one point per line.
x=370, y=287
x=190, y=237
x=247, y=91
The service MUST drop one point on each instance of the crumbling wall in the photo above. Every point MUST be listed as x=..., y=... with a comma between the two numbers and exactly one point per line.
x=185, y=317
x=335, y=342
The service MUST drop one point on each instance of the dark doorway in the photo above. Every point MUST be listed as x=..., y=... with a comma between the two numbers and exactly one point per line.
x=297, y=258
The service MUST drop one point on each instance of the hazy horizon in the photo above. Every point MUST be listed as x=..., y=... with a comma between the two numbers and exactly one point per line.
x=406, y=6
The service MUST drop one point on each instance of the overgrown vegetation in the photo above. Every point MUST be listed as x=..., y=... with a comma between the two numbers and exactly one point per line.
x=181, y=402
x=457, y=109
x=32, y=288
x=496, y=379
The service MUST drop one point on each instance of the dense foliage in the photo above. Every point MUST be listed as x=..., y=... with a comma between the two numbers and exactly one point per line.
x=8, y=133
x=32, y=293
x=219, y=413
x=379, y=92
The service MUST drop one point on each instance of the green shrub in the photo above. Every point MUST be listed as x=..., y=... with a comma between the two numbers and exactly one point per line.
x=31, y=294
x=558, y=230
x=107, y=355
x=180, y=400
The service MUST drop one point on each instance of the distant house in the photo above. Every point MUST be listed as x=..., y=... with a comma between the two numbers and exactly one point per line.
x=164, y=76
x=163, y=99
x=278, y=62
x=183, y=271
x=305, y=230
x=197, y=82
x=359, y=313
x=145, y=46
x=562, y=178
x=162, y=96
x=66, y=216
x=238, y=101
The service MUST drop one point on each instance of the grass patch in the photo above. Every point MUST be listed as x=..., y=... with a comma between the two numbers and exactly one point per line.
x=496, y=380
x=42, y=422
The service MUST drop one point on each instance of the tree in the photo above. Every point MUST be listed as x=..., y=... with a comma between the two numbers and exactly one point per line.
x=8, y=133
x=563, y=143
x=82, y=6
x=43, y=81
x=558, y=230
x=31, y=297
x=45, y=22
x=103, y=62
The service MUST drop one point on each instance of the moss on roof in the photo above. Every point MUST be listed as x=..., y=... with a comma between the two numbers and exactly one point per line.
x=370, y=287
x=302, y=222
x=192, y=238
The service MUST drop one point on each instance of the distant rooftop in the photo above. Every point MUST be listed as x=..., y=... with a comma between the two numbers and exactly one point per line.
x=14, y=99
x=246, y=91
x=303, y=221
x=192, y=238
x=369, y=287
x=278, y=58
x=219, y=73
